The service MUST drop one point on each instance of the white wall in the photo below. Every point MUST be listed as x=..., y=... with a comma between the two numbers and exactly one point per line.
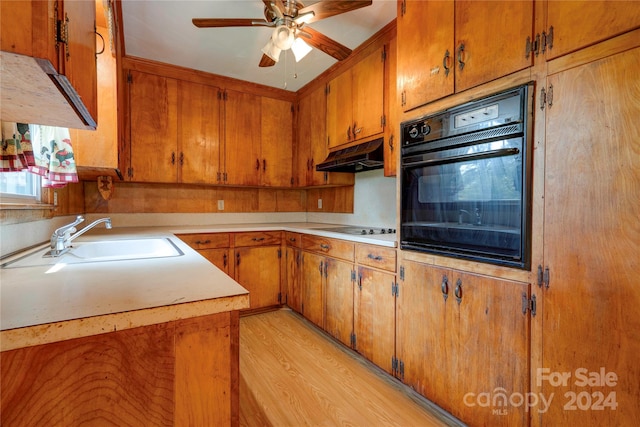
x=374, y=203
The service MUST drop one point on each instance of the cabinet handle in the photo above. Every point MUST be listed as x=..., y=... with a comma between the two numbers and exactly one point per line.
x=199, y=242
x=356, y=130
x=173, y=158
x=292, y=239
x=103, y=44
x=181, y=159
x=374, y=257
x=324, y=246
x=458, y=291
x=264, y=165
x=391, y=143
x=445, y=63
x=460, y=52
x=445, y=287
x=238, y=258
x=258, y=239
x=224, y=260
x=257, y=164
x=349, y=134
x=321, y=267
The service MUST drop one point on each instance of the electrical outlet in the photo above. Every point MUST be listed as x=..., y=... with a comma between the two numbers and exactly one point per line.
x=220, y=205
x=319, y=203
x=55, y=198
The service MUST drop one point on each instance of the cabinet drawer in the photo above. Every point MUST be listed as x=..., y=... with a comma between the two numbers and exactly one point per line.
x=206, y=240
x=292, y=239
x=331, y=247
x=376, y=256
x=257, y=238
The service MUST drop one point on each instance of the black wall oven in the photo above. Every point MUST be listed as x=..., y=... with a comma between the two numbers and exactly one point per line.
x=466, y=178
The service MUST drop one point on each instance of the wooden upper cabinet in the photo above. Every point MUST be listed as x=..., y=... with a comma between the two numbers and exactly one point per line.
x=242, y=127
x=392, y=106
x=198, y=132
x=491, y=39
x=425, y=51
x=355, y=102
x=312, y=143
x=450, y=46
x=276, y=148
x=153, y=128
x=78, y=54
x=65, y=70
x=578, y=24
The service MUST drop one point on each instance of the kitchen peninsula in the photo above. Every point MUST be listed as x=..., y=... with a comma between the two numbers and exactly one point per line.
x=131, y=342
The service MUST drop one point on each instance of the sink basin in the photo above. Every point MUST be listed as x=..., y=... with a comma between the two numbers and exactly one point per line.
x=101, y=251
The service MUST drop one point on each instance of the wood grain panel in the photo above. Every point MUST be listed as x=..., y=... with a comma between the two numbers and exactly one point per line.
x=339, y=300
x=292, y=239
x=312, y=288
x=122, y=378
x=206, y=240
x=257, y=238
x=376, y=256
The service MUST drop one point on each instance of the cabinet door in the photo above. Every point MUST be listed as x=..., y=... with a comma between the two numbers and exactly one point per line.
x=293, y=293
x=490, y=349
x=426, y=52
x=78, y=55
x=339, y=110
x=339, y=299
x=367, y=95
x=199, y=132
x=392, y=103
x=258, y=270
x=490, y=40
x=153, y=127
x=592, y=238
x=421, y=337
x=277, y=143
x=312, y=283
x=578, y=24
x=374, y=319
x=242, y=138
x=217, y=257
x=27, y=28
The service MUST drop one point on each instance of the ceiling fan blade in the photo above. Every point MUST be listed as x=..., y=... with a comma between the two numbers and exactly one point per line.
x=227, y=22
x=265, y=61
x=328, y=8
x=325, y=44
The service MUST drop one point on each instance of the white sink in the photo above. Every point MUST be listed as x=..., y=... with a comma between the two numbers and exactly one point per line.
x=101, y=251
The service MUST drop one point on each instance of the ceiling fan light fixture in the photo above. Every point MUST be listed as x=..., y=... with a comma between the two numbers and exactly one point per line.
x=282, y=37
x=271, y=50
x=300, y=49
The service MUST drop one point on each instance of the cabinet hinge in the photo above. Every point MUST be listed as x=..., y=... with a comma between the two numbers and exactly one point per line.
x=402, y=272
x=279, y=253
x=394, y=289
x=384, y=54
x=394, y=366
x=532, y=46
x=353, y=340
x=130, y=172
x=403, y=8
x=383, y=120
x=547, y=40
x=129, y=77
x=327, y=89
x=279, y=297
x=546, y=97
x=401, y=369
x=543, y=277
x=353, y=275
x=403, y=100
x=528, y=304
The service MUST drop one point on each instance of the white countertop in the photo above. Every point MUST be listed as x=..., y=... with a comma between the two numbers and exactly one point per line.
x=41, y=305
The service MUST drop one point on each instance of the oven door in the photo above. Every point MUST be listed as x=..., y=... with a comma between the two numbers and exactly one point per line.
x=467, y=202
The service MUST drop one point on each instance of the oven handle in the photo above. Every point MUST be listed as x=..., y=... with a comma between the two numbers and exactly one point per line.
x=492, y=153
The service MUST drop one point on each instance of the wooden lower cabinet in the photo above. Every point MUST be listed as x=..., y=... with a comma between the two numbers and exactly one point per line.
x=339, y=277
x=312, y=287
x=253, y=259
x=374, y=316
x=462, y=339
x=292, y=291
x=179, y=373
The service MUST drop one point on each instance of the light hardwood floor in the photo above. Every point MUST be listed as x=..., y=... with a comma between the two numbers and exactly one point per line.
x=292, y=374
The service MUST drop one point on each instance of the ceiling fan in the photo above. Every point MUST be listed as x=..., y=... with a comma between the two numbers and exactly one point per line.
x=288, y=18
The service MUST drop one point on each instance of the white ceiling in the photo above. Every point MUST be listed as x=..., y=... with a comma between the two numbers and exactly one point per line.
x=162, y=30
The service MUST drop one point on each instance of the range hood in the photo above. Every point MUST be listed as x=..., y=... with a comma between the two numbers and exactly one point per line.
x=362, y=157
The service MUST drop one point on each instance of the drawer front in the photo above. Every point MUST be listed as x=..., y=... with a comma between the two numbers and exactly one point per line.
x=206, y=240
x=257, y=238
x=292, y=239
x=376, y=256
x=331, y=247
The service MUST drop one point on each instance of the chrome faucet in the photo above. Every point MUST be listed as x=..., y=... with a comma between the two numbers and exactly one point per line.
x=476, y=211
x=61, y=237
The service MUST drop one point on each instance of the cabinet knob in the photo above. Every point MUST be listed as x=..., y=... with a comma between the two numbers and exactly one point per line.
x=324, y=246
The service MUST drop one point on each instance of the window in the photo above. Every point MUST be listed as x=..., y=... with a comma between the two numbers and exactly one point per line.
x=20, y=186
